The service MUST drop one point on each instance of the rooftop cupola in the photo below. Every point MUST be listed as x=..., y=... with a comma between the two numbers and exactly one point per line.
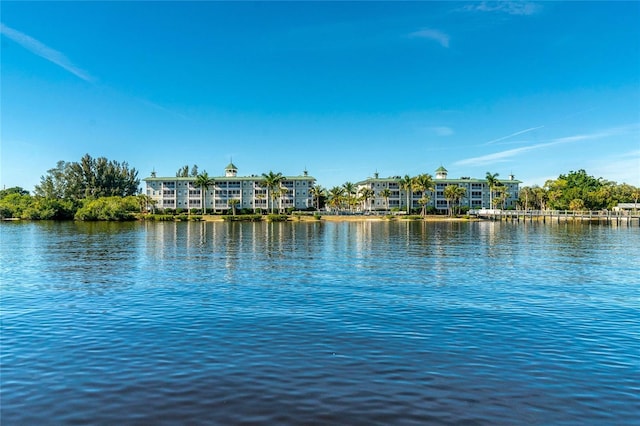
x=305, y=172
x=375, y=175
x=441, y=173
x=231, y=170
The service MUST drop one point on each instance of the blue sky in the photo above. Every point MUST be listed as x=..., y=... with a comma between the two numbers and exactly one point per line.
x=340, y=88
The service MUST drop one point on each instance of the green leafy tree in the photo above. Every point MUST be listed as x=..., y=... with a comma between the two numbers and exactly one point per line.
x=89, y=178
x=51, y=209
x=54, y=183
x=108, y=208
x=14, y=205
x=576, y=204
x=526, y=196
x=183, y=171
x=13, y=190
x=596, y=193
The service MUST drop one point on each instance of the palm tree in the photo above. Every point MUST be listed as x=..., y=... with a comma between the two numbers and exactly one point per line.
x=527, y=194
x=635, y=194
x=501, y=195
x=460, y=192
x=386, y=193
x=233, y=203
x=423, y=183
x=492, y=182
x=423, y=201
x=272, y=182
x=190, y=185
x=336, y=196
x=203, y=181
x=453, y=194
x=349, y=189
x=317, y=192
x=450, y=195
x=367, y=194
x=406, y=183
x=281, y=192
x=576, y=204
x=145, y=201
x=258, y=197
x=541, y=197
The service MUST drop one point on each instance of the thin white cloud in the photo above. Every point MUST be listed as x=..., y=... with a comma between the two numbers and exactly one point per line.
x=522, y=8
x=498, y=157
x=520, y=132
x=40, y=49
x=159, y=107
x=442, y=130
x=502, y=156
x=432, y=34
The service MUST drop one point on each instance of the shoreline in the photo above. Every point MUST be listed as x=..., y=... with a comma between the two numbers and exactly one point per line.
x=360, y=218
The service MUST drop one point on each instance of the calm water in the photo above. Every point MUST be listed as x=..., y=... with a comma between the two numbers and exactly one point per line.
x=320, y=323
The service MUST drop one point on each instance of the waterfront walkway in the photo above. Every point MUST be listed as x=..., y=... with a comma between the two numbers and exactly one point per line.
x=549, y=216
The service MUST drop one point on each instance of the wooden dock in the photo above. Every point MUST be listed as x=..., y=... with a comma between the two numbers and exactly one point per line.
x=619, y=218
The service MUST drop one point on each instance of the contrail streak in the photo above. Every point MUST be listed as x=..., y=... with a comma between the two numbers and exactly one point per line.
x=514, y=134
x=44, y=51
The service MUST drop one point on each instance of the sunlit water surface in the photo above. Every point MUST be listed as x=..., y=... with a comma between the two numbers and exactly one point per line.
x=320, y=323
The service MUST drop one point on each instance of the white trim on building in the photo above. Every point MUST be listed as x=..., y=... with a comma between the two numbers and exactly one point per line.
x=181, y=193
x=477, y=192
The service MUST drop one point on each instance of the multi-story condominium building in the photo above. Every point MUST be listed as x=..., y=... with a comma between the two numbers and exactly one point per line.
x=477, y=194
x=249, y=191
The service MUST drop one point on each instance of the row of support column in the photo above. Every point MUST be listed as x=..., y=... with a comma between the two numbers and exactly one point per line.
x=608, y=218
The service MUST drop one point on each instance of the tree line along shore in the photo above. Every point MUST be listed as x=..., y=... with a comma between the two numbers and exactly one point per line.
x=102, y=189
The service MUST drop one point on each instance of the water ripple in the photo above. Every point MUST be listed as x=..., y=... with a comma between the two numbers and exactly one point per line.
x=319, y=323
